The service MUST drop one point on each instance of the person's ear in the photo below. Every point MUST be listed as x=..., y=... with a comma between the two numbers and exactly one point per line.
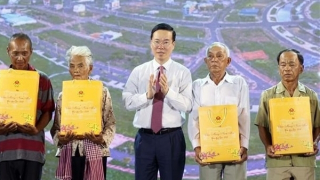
x=301, y=68
x=90, y=68
x=229, y=60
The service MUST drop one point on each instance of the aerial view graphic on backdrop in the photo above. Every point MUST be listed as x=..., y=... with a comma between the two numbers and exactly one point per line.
x=118, y=33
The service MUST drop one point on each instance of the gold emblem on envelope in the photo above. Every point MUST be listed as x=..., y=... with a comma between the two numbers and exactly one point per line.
x=219, y=133
x=291, y=111
x=80, y=93
x=16, y=83
x=220, y=116
x=18, y=96
x=81, y=106
x=291, y=132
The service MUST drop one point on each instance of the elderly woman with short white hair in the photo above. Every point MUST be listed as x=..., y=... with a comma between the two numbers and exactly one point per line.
x=73, y=150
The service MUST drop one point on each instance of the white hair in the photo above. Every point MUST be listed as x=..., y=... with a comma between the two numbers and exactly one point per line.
x=220, y=45
x=80, y=51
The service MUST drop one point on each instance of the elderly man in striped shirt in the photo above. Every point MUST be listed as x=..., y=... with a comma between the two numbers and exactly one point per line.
x=22, y=147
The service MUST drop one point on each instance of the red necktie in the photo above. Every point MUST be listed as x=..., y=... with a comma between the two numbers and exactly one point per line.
x=156, y=117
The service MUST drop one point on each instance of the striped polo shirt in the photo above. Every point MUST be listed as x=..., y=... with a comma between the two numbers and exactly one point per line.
x=14, y=146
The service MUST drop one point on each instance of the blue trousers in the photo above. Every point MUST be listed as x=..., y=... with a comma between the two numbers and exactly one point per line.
x=165, y=153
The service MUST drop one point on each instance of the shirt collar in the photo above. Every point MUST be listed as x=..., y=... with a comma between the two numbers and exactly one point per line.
x=227, y=78
x=280, y=88
x=166, y=65
x=30, y=68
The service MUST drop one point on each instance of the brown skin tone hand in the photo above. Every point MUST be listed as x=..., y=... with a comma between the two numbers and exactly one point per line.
x=270, y=152
x=65, y=139
x=316, y=139
x=33, y=130
x=265, y=137
x=27, y=129
x=70, y=136
x=315, y=151
x=197, y=156
x=244, y=155
x=97, y=139
x=8, y=128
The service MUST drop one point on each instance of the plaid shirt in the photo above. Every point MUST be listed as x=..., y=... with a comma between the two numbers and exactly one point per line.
x=17, y=145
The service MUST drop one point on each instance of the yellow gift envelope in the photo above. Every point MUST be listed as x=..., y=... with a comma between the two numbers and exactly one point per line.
x=290, y=125
x=81, y=106
x=219, y=133
x=18, y=96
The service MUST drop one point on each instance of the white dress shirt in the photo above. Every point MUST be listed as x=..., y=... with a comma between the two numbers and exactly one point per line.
x=230, y=90
x=178, y=99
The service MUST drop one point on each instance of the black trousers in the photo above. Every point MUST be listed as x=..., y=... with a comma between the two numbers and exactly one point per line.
x=20, y=170
x=78, y=165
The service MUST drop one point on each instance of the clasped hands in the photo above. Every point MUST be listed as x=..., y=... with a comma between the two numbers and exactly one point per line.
x=152, y=85
x=70, y=136
x=271, y=151
x=198, y=157
x=15, y=127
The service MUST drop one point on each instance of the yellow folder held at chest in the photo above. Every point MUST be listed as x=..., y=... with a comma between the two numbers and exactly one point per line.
x=290, y=125
x=219, y=133
x=81, y=107
x=18, y=96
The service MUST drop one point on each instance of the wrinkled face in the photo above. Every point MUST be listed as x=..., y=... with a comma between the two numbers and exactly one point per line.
x=289, y=67
x=217, y=60
x=19, y=51
x=79, y=69
x=162, y=45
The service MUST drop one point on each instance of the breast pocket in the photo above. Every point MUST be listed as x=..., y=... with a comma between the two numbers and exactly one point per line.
x=230, y=100
x=175, y=88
